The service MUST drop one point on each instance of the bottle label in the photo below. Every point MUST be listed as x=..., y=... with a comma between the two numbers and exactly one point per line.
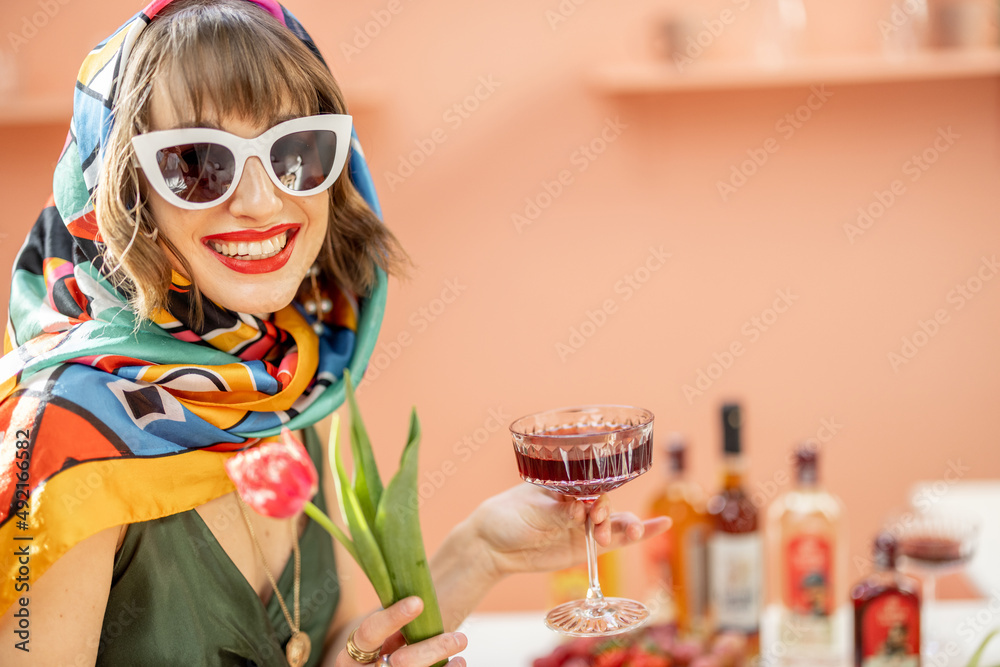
x=890, y=627
x=808, y=574
x=735, y=580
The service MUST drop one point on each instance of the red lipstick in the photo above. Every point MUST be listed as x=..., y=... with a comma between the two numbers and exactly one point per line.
x=248, y=235
x=254, y=266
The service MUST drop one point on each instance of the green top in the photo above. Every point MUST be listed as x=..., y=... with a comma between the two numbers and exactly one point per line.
x=177, y=598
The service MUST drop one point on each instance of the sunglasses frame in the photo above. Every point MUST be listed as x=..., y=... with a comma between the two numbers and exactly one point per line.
x=146, y=145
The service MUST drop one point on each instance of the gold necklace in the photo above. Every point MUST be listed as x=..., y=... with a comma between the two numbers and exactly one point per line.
x=298, y=647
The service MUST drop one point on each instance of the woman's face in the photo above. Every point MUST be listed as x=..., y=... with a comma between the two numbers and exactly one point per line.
x=257, y=221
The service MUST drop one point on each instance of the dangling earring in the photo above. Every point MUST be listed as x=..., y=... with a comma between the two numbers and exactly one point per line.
x=316, y=304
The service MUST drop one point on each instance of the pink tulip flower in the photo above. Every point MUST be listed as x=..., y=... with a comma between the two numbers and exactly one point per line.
x=276, y=479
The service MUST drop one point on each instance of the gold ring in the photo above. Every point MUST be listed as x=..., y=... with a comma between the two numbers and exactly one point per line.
x=364, y=657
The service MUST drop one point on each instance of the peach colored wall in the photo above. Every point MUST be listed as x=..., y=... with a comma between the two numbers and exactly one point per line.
x=493, y=349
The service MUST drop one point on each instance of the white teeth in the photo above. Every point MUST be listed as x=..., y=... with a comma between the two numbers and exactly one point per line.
x=254, y=249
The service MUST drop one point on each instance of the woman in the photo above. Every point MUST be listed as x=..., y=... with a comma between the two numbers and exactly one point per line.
x=189, y=291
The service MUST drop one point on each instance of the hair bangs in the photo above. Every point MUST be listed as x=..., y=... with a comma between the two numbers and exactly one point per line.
x=240, y=60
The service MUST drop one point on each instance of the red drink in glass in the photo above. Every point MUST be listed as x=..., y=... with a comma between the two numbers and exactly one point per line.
x=583, y=452
x=933, y=551
x=588, y=471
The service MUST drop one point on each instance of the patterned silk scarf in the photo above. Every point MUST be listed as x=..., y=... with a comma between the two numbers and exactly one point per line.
x=104, y=423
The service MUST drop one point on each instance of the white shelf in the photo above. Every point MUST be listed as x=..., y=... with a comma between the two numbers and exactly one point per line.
x=644, y=78
x=36, y=110
x=363, y=97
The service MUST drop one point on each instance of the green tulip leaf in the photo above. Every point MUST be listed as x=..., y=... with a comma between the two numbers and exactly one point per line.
x=367, y=482
x=397, y=529
x=367, y=550
x=977, y=656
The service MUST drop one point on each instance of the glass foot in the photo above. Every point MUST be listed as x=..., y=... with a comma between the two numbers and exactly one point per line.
x=581, y=618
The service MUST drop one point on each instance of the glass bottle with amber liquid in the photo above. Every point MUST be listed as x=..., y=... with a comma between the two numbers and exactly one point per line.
x=807, y=558
x=678, y=559
x=735, y=555
x=886, y=612
x=572, y=583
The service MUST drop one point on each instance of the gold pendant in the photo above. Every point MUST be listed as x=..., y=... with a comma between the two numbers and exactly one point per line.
x=297, y=649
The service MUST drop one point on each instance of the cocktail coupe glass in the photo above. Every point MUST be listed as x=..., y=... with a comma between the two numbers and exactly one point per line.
x=936, y=542
x=584, y=452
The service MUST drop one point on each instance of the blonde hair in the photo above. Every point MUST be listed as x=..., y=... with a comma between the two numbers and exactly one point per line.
x=229, y=55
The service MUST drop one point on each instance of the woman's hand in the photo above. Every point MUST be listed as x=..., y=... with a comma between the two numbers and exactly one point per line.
x=382, y=629
x=529, y=529
x=524, y=529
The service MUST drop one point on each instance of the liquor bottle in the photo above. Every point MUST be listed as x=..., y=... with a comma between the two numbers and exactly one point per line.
x=886, y=613
x=735, y=551
x=807, y=558
x=678, y=558
x=572, y=582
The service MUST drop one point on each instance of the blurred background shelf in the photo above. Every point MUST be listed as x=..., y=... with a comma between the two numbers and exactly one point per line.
x=642, y=78
x=363, y=97
x=35, y=109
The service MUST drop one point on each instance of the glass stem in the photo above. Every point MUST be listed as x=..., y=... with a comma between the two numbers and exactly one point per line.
x=595, y=598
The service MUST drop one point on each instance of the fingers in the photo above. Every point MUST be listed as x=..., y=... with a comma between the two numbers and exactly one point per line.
x=625, y=528
x=381, y=629
x=430, y=651
x=601, y=510
x=568, y=509
x=619, y=526
x=379, y=626
x=394, y=642
x=656, y=526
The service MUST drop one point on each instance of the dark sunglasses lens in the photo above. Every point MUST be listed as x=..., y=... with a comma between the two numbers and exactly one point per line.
x=197, y=172
x=303, y=160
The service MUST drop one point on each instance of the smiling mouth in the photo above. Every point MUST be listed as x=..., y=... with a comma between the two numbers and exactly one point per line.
x=252, y=250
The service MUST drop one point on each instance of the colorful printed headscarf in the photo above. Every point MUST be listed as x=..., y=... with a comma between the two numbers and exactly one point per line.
x=106, y=421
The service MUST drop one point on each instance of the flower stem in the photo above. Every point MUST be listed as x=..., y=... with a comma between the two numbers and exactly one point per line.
x=320, y=517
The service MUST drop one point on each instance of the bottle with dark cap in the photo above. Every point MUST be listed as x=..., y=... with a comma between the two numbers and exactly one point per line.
x=735, y=551
x=806, y=556
x=678, y=558
x=886, y=612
